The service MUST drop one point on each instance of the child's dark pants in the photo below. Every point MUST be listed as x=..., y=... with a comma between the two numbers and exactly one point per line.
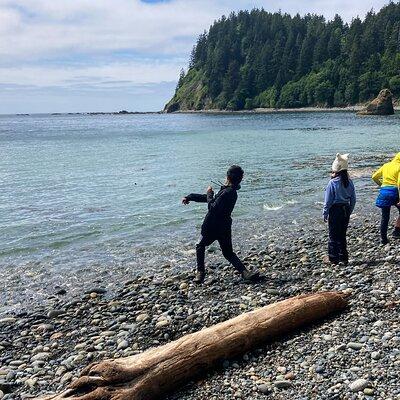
x=385, y=221
x=225, y=242
x=339, y=217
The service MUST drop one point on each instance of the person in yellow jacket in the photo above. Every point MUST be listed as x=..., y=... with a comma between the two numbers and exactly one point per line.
x=388, y=178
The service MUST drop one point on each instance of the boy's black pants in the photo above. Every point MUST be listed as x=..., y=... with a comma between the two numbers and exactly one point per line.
x=225, y=242
x=339, y=218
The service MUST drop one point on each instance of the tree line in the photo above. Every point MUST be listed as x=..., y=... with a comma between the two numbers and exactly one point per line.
x=256, y=59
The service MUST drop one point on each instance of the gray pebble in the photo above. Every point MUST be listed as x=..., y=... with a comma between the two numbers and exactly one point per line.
x=358, y=385
x=264, y=389
x=355, y=346
x=283, y=384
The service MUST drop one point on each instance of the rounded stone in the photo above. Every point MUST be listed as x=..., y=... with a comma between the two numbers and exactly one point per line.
x=264, y=389
x=355, y=346
x=283, y=384
x=358, y=385
x=55, y=313
x=142, y=317
x=123, y=345
x=162, y=324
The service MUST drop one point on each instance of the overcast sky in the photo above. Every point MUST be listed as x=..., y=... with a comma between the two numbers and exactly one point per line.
x=109, y=55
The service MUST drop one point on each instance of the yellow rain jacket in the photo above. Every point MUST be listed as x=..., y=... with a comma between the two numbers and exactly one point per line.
x=388, y=174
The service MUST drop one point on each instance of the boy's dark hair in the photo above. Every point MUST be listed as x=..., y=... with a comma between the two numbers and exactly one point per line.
x=235, y=174
x=344, y=177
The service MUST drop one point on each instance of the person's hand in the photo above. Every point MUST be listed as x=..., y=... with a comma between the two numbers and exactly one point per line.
x=210, y=189
x=185, y=201
x=325, y=219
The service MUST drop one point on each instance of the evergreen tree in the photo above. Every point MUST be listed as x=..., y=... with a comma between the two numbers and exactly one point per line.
x=260, y=59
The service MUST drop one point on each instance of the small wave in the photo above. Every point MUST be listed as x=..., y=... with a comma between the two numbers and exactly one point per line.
x=365, y=172
x=270, y=207
x=306, y=128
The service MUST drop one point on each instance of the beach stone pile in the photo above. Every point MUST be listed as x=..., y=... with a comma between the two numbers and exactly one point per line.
x=354, y=355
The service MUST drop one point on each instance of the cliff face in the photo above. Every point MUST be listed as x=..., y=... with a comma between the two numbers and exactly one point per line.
x=259, y=59
x=191, y=95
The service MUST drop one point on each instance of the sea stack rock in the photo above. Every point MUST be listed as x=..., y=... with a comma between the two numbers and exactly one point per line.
x=382, y=105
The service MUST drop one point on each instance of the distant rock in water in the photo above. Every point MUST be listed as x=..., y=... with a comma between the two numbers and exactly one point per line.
x=382, y=105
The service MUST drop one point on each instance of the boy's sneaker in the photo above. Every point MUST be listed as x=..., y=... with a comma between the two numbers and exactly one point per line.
x=199, y=278
x=384, y=241
x=249, y=276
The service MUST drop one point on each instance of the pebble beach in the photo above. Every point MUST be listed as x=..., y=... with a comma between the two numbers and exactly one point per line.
x=353, y=355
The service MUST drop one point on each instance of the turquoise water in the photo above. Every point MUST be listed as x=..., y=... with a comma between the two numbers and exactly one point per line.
x=86, y=198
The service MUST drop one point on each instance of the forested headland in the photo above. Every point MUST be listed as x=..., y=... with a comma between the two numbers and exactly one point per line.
x=254, y=59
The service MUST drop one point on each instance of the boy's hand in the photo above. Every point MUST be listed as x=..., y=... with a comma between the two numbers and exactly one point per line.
x=325, y=219
x=210, y=189
x=185, y=201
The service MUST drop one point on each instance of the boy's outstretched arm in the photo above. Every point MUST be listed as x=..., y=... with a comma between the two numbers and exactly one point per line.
x=198, y=198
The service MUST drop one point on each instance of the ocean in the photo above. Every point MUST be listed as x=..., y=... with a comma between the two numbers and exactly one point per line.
x=89, y=200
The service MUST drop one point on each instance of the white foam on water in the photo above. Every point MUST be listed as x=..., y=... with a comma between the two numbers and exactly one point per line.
x=269, y=207
x=272, y=208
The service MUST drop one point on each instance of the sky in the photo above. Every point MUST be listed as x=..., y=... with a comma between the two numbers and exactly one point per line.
x=103, y=55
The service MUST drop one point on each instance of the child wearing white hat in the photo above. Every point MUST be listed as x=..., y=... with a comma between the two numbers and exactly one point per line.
x=340, y=200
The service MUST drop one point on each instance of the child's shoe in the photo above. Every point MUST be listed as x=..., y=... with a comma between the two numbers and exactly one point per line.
x=250, y=276
x=328, y=261
x=199, y=278
x=384, y=241
x=396, y=233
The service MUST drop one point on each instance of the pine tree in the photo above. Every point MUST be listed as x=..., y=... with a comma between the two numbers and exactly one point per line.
x=256, y=58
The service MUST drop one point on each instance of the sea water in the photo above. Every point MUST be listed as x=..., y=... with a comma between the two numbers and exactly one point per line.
x=90, y=199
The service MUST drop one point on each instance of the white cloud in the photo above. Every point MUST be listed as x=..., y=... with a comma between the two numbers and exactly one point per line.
x=37, y=28
x=47, y=27
x=54, y=43
x=129, y=72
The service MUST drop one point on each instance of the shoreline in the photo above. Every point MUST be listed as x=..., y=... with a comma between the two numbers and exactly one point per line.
x=272, y=110
x=45, y=348
x=355, y=108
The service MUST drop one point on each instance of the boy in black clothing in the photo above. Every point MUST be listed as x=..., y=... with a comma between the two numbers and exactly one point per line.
x=218, y=223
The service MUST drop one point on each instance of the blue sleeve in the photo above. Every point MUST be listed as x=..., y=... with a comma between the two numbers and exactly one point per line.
x=353, y=198
x=329, y=198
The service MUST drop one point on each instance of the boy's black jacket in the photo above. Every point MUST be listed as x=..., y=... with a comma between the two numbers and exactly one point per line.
x=218, y=220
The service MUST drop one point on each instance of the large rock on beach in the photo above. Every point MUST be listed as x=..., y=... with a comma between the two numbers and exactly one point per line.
x=382, y=105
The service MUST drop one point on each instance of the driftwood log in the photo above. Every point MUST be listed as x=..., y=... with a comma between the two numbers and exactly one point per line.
x=153, y=373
